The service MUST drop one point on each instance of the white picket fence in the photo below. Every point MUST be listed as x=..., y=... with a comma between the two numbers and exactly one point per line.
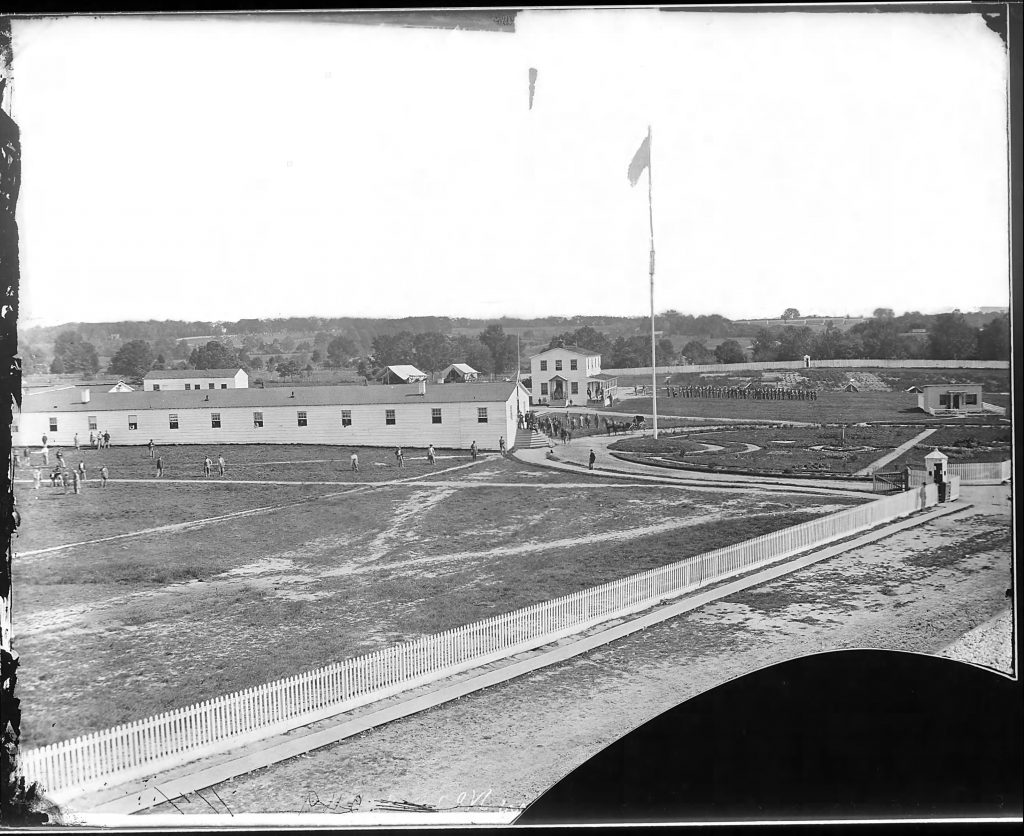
x=971, y=472
x=817, y=364
x=145, y=747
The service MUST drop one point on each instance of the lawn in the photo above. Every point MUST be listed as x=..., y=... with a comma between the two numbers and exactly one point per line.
x=829, y=408
x=290, y=462
x=116, y=631
x=817, y=450
x=962, y=444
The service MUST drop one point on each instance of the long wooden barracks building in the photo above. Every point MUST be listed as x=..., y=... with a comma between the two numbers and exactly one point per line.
x=450, y=415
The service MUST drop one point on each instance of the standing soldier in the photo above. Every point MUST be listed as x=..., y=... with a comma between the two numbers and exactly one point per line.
x=74, y=480
x=151, y=445
x=92, y=439
x=355, y=462
x=207, y=466
x=106, y=440
x=81, y=471
x=44, y=440
x=64, y=479
x=76, y=441
x=104, y=473
x=36, y=477
x=159, y=466
x=472, y=451
x=593, y=458
x=220, y=464
x=501, y=445
x=46, y=455
x=430, y=453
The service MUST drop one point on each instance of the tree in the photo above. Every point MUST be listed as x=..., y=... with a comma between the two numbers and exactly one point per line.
x=340, y=351
x=881, y=339
x=394, y=349
x=994, y=339
x=952, y=338
x=729, y=351
x=794, y=343
x=765, y=345
x=289, y=368
x=214, y=355
x=75, y=354
x=502, y=347
x=884, y=313
x=316, y=356
x=697, y=353
x=432, y=351
x=256, y=363
x=791, y=313
x=133, y=360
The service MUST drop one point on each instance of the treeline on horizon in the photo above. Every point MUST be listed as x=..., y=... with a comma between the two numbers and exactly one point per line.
x=296, y=346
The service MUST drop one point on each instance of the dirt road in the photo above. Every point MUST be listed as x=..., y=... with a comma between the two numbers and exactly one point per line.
x=918, y=591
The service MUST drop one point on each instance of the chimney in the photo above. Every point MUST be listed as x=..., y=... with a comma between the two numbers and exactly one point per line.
x=85, y=396
x=422, y=390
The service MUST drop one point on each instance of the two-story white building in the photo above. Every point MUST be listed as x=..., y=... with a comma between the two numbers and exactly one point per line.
x=569, y=376
x=162, y=380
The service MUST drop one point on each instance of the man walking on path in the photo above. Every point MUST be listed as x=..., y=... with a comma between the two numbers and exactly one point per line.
x=159, y=466
x=207, y=466
x=430, y=454
x=593, y=458
x=355, y=462
x=220, y=464
x=104, y=473
x=399, y=457
x=151, y=446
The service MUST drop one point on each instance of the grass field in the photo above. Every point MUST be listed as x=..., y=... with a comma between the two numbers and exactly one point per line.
x=788, y=450
x=122, y=629
x=962, y=444
x=829, y=408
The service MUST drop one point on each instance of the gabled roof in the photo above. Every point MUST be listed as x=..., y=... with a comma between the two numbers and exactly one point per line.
x=462, y=367
x=69, y=400
x=404, y=372
x=188, y=374
x=574, y=349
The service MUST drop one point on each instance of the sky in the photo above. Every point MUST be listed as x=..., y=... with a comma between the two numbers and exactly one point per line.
x=221, y=168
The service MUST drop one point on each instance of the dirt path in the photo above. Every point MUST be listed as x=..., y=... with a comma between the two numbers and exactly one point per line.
x=918, y=591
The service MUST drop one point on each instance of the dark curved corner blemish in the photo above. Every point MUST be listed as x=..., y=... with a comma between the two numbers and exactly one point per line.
x=847, y=735
x=21, y=803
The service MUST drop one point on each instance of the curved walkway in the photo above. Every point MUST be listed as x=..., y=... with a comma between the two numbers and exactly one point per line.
x=575, y=455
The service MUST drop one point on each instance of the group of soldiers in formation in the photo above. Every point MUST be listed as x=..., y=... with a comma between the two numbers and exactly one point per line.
x=763, y=393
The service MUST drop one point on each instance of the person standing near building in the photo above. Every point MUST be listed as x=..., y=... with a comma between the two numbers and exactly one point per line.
x=104, y=473
x=430, y=453
x=81, y=470
x=151, y=446
x=401, y=458
x=593, y=458
x=220, y=464
x=92, y=439
x=472, y=451
x=44, y=440
x=355, y=462
x=76, y=441
x=207, y=466
x=159, y=466
x=75, y=481
x=106, y=440
x=46, y=455
x=501, y=446
x=60, y=460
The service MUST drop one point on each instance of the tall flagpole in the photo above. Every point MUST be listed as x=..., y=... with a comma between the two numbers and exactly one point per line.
x=650, y=210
